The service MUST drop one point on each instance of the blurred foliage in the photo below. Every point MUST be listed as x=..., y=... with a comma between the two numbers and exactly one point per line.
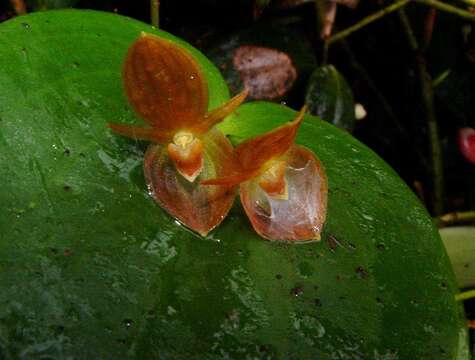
x=329, y=96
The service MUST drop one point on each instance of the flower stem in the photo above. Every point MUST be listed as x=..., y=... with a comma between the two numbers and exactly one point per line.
x=427, y=94
x=448, y=8
x=470, y=294
x=367, y=20
x=155, y=13
x=455, y=217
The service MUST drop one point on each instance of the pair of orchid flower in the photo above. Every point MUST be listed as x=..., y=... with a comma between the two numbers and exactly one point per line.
x=192, y=169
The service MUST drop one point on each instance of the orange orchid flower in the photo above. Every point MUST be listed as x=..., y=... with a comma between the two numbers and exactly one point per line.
x=166, y=87
x=283, y=185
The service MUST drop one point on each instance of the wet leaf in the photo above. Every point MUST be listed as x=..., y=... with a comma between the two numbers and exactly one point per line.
x=330, y=97
x=91, y=267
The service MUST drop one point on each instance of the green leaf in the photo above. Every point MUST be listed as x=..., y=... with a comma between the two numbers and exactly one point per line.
x=91, y=267
x=459, y=242
x=330, y=97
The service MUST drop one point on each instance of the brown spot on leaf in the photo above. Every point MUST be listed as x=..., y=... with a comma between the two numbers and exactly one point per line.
x=267, y=73
x=296, y=291
x=361, y=272
x=332, y=242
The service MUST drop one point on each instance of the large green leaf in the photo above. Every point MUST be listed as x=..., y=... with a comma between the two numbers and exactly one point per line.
x=91, y=267
x=459, y=242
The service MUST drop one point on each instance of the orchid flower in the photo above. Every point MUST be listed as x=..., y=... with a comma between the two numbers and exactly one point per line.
x=167, y=88
x=283, y=185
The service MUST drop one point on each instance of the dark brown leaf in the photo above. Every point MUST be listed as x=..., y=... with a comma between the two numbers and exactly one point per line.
x=266, y=72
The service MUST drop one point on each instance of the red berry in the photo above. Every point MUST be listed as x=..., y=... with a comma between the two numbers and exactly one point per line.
x=466, y=141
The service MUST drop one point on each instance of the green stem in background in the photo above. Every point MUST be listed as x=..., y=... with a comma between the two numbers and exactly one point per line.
x=441, y=78
x=155, y=13
x=455, y=217
x=367, y=20
x=470, y=294
x=413, y=43
x=383, y=102
x=325, y=53
x=469, y=2
x=448, y=8
x=427, y=92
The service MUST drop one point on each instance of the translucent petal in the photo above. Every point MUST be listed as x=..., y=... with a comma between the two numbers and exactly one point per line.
x=302, y=215
x=201, y=208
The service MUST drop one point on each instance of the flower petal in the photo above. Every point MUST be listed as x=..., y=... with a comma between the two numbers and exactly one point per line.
x=301, y=216
x=164, y=83
x=217, y=115
x=140, y=132
x=255, y=152
x=200, y=208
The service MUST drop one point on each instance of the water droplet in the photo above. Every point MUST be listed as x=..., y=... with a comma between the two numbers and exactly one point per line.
x=128, y=323
x=367, y=217
x=171, y=310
